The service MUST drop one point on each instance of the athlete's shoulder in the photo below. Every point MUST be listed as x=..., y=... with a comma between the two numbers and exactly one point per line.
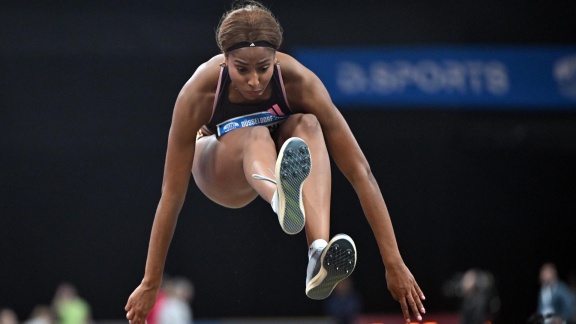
x=205, y=78
x=213, y=63
x=197, y=95
x=209, y=71
x=303, y=88
x=292, y=69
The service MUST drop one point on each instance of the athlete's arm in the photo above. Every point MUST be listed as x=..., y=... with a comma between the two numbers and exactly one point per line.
x=191, y=111
x=308, y=94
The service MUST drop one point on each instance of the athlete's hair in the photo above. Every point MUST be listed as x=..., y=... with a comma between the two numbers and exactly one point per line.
x=248, y=21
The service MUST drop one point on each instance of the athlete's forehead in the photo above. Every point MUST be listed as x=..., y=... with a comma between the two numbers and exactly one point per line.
x=251, y=56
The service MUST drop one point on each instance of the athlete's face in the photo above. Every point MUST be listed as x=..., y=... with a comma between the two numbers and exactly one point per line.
x=251, y=69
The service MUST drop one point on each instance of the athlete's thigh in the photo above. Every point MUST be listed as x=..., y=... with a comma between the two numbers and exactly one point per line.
x=218, y=169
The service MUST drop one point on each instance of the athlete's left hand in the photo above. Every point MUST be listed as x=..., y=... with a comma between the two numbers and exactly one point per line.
x=404, y=289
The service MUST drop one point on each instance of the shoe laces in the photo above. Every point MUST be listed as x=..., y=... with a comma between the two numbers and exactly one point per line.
x=274, y=202
x=261, y=177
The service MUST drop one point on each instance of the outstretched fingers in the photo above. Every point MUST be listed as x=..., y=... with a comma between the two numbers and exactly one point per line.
x=406, y=304
x=418, y=296
x=411, y=301
x=406, y=291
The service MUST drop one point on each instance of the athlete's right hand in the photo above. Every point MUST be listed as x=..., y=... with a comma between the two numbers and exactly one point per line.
x=140, y=304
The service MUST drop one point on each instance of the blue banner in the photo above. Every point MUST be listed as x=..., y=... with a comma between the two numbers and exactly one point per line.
x=463, y=77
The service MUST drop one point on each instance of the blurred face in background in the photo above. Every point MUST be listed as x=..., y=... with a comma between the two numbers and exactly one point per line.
x=547, y=274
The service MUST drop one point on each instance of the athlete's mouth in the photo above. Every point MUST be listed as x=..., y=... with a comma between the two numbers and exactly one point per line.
x=255, y=92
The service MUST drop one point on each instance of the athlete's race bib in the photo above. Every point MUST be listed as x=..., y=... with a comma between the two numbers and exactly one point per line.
x=263, y=118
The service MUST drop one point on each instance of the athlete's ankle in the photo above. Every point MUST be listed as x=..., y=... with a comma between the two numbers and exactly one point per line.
x=317, y=245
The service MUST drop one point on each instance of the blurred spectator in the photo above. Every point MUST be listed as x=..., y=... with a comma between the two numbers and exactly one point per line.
x=344, y=304
x=40, y=315
x=69, y=308
x=8, y=316
x=176, y=309
x=480, y=302
x=556, y=301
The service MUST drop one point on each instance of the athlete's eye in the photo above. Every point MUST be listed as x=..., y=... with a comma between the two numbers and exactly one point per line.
x=240, y=69
x=264, y=68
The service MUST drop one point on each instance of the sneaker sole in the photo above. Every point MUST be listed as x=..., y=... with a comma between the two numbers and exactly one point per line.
x=292, y=168
x=338, y=261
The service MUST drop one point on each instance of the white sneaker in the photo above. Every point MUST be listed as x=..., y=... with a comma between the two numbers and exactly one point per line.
x=329, y=265
x=292, y=168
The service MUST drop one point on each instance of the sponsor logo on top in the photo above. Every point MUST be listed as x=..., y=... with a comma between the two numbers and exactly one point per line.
x=230, y=126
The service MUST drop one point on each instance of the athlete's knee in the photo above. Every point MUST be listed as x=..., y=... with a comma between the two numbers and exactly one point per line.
x=308, y=124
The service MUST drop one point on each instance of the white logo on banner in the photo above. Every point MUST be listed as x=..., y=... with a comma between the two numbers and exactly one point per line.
x=427, y=76
x=565, y=75
x=231, y=126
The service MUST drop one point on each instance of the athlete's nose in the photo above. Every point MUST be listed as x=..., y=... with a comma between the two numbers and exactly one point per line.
x=253, y=79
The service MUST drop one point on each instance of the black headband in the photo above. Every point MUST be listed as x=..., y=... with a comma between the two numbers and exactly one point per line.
x=249, y=44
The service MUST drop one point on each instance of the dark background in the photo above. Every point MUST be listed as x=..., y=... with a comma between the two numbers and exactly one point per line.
x=86, y=95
